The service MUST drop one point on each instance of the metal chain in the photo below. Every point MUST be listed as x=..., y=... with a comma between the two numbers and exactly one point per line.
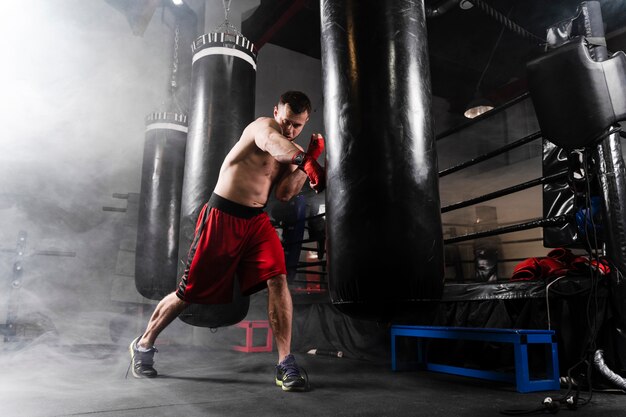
x=226, y=26
x=173, y=81
x=226, y=4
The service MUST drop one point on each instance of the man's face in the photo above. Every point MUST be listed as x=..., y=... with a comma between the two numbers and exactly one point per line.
x=290, y=122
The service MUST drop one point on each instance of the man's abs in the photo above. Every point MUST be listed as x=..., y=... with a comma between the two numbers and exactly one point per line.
x=247, y=176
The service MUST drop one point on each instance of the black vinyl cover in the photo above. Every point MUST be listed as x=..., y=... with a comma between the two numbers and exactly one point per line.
x=385, y=240
x=156, y=255
x=612, y=180
x=576, y=98
x=223, y=81
x=558, y=197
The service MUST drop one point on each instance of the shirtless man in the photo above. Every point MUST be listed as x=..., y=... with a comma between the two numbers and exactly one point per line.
x=234, y=238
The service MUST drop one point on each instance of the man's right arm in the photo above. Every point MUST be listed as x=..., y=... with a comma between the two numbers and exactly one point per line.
x=268, y=138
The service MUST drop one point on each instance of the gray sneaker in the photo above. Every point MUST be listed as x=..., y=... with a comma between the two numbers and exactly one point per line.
x=288, y=375
x=142, y=362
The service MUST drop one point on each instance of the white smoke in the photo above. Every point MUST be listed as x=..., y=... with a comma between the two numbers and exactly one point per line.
x=77, y=86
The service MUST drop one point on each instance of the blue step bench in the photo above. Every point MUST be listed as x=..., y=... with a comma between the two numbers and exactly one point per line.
x=518, y=337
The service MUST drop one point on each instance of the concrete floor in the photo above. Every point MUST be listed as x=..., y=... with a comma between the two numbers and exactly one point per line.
x=88, y=380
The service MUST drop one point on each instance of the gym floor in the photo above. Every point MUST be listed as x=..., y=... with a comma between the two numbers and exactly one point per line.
x=89, y=380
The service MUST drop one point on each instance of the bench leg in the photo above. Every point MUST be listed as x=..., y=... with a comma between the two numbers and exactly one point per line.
x=553, y=366
x=421, y=355
x=393, y=352
x=522, y=373
x=422, y=358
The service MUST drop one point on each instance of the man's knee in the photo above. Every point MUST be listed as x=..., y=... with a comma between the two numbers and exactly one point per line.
x=277, y=283
x=175, y=301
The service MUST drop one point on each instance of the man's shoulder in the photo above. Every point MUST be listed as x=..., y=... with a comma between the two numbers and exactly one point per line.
x=262, y=124
x=265, y=121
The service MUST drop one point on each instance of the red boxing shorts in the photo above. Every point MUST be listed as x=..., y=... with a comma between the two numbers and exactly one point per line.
x=230, y=240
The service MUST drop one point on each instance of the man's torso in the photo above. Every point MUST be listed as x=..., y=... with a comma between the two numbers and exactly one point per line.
x=248, y=173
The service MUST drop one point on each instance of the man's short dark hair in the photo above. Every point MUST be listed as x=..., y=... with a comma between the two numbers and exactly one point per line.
x=297, y=100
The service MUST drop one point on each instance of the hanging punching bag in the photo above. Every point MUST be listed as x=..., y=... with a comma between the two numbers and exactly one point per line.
x=223, y=81
x=156, y=255
x=385, y=243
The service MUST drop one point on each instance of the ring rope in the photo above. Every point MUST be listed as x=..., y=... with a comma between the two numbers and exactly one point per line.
x=549, y=222
x=504, y=191
x=491, y=154
x=483, y=116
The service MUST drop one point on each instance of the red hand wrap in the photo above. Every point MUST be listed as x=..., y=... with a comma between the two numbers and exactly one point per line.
x=316, y=146
x=315, y=173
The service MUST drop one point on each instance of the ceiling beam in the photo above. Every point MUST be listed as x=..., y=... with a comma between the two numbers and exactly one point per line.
x=294, y=9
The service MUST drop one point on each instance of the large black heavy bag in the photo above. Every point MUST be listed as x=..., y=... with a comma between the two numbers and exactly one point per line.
x=223, y=81
x=385, y=244
x=156, y=255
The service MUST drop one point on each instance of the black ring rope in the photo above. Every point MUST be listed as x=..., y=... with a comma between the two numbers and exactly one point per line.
x=483, y=116
x=504, y=191
x=550, y=222
x=506, y=22
x=500, y=261
x=491, y=154
x=538, y=239
x=306, y=271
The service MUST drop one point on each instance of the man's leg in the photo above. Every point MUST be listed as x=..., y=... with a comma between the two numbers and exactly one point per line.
x=166, y=311
x=142, y=349
x=280, y=313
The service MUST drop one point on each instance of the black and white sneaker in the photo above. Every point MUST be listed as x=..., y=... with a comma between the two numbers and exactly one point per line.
x=142, y=362
x=288, y=375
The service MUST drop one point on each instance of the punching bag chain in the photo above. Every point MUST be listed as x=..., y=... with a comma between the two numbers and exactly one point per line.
x=227, y=27
x=226, y=4
x=173, y=82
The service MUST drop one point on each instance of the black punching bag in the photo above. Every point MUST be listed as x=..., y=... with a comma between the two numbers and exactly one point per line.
x=156, y=256
x=385, y=241
x=223, y=81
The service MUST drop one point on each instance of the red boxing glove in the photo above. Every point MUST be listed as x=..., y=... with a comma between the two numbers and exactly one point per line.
x=527, y=270
x=562, y=254
x=316, y=146
x=583, y=264
x=551, y=267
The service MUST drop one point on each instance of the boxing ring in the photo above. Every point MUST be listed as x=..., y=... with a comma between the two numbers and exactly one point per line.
x=489, y=236
x=470, y=299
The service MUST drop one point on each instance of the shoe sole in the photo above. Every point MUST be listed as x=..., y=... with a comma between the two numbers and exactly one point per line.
x=288, y=389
